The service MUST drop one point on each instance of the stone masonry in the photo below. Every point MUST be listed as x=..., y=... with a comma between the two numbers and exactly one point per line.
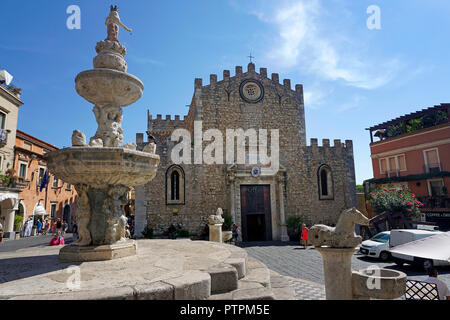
x=294, y=190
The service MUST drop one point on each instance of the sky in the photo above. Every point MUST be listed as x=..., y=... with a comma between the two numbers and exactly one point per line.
x=353, y=77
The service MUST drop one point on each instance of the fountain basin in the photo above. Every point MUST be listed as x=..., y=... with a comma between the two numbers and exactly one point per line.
x=99, y=166
x=378, y=284
x=108, y=86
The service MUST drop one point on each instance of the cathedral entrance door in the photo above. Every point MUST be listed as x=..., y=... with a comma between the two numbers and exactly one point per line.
x=255, y=213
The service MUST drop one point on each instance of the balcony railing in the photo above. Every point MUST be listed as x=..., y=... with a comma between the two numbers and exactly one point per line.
x=432, y=168
x=435, y=202
x=391, y=173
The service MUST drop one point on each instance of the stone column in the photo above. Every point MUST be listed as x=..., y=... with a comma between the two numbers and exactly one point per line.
x=215, y=232
x=284, y=234
x=337, y=272
x=9, y=211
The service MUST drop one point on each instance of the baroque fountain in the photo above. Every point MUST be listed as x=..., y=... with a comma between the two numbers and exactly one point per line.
x=103, y=170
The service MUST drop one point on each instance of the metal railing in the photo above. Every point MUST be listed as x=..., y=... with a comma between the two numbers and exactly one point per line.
x=432, y=167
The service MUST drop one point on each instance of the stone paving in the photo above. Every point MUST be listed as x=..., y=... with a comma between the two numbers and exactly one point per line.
x=305, y=267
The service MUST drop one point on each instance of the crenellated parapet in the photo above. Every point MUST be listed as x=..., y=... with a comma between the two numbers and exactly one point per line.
x=337, y=147
x=165, y=124
x=251, y=73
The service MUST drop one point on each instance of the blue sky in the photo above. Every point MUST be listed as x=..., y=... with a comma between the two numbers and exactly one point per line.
x=353, y=77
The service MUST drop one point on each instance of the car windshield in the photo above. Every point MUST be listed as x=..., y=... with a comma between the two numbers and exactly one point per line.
x=381, y=237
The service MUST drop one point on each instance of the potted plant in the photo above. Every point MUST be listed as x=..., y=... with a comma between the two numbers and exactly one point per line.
x=227, y=233
x=293, y=227
x=183, y=233
x=147, y=232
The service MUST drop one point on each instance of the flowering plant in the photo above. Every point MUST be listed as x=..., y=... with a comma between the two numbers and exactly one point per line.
x=395, y=199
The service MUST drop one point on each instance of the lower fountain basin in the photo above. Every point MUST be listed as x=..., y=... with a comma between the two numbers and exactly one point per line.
x=378, y=283
x=108, y=86
x=100, y=166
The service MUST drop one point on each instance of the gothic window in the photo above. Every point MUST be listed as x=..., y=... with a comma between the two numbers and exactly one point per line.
x=175, y=185
x=325, y=183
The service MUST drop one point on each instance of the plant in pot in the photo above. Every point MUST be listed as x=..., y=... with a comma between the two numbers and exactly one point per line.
x=183, y=233
x=293, y=227
x=393, y=199
x=227, y=225
x=147, y=232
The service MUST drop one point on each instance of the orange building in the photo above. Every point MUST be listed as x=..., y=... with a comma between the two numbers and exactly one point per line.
x=57, y=199
x=414, y=151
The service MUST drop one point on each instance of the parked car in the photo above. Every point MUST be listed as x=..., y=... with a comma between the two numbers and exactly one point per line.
x=420, y=247
x=377, y=246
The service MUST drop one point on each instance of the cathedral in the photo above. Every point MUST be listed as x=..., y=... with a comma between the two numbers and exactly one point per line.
x=315, y=182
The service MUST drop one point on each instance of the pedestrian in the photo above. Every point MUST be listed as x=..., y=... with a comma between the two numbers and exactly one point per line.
x=53, y=226
x=234, y=232
x=305, y=236
x=57, y=239
x=444, y=293
x=65, y=226
x=58, y=225
x=28, y=227
x=39, y=226
x=75, y=231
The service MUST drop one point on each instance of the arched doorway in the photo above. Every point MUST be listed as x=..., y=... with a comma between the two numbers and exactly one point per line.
x=67, y=214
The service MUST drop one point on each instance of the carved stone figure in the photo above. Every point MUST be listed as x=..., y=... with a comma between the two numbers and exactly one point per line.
x=216, y=218
x=341, y=236
x=131, y=146
x=150, y=148
x=112, y=23
x=78, y=139
x=83, y=216
x=121, y=228
x=109, y=120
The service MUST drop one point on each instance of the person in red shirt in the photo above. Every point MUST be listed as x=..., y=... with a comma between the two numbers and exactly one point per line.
x=305, y=236
x=57, y=239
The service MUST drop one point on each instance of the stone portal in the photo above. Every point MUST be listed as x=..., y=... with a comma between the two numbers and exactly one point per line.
x=255, y=212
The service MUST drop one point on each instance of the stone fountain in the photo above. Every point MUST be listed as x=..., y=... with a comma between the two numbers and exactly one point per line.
x=337, y=246
x=103, y=171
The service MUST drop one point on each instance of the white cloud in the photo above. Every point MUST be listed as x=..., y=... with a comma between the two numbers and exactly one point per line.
x=305, y=40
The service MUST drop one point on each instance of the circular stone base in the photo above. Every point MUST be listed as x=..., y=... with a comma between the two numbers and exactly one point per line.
x=120, y=249
x=161, y=270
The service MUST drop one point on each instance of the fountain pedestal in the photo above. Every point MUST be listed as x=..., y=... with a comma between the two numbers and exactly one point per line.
x=337, y=272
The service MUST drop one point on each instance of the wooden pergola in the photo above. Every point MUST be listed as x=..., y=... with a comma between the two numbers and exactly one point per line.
x=405, y=118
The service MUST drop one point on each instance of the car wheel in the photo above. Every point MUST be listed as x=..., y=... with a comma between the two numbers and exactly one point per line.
x=385, y=256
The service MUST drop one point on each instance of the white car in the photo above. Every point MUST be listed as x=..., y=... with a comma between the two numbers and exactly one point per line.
x=377, y=246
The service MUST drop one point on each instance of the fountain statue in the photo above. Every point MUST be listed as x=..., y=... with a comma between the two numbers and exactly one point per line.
x=103, y=170
x=337, y=246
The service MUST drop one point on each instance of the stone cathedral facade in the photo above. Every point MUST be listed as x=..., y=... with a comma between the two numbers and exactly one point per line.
x=314, y=182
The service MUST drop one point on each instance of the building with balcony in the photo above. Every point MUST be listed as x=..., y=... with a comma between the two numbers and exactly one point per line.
x=414, y=151
x=9, y=194
x=54, y=199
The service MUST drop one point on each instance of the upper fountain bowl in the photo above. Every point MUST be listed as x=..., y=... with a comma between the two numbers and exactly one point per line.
x=108, y=86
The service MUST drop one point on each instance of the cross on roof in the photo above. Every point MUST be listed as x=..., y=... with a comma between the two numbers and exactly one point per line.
x=251, y=57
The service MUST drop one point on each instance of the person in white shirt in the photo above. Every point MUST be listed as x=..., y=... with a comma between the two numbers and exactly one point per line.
x=444, y=293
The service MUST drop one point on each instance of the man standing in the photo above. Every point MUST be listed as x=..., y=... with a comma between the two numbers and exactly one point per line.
x=58, y=225
x=444, y=293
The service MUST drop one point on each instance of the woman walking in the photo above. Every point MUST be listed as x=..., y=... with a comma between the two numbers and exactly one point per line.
x=305, y=236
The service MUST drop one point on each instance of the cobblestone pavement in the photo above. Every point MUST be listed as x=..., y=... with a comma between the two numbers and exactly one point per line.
x=291, y=259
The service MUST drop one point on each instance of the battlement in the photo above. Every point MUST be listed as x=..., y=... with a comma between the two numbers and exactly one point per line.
x=160, y=124
x=213, y=79
x=326, y=144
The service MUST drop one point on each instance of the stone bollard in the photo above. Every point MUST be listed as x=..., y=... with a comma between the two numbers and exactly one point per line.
x=215, y=232
x=215, y=222
x=337, y=272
